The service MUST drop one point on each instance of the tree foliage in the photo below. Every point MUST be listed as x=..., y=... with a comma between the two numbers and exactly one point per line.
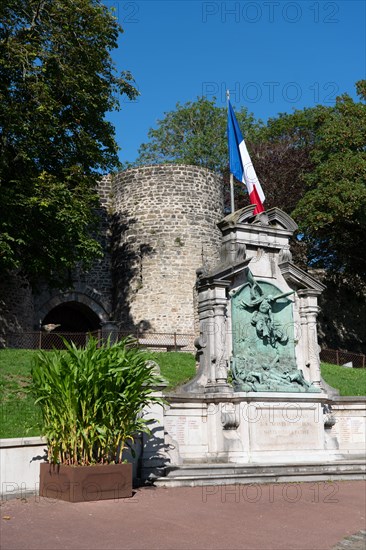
x=332, y=212
x=311, y=163
x=57, y=81
x=282, y=155
x=193, y=134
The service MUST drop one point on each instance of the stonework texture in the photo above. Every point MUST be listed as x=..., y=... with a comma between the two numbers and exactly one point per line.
x=16, y=306
x=158, y=225
x=164, y=229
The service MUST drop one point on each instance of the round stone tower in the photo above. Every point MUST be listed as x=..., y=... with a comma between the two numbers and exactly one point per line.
x=164, y=228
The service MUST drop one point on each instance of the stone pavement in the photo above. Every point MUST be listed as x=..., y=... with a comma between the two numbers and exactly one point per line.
x=283, y=516
x=354, y=542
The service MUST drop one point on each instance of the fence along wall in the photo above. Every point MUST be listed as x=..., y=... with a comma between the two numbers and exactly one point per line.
x=158, y=227
x=154, y=341
x=339, y=357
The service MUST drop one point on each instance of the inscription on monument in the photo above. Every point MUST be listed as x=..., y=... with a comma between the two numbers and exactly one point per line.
x=184, y=429
x=350, y=430
x=276, y=430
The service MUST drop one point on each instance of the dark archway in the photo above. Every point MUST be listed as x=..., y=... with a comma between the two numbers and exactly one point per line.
x=72, y=317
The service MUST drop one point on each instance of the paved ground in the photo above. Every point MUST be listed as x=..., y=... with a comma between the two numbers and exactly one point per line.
x=292, y=516
x=354, y=542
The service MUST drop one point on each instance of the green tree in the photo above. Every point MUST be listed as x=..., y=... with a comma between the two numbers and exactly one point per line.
x=332, y=212
x=311, y=163
x=281, y=155
x=57, y=82
x=194, y=133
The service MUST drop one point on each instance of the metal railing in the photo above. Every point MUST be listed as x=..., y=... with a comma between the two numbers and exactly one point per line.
x=338, y=357
x=155, y=341
x=174, y=341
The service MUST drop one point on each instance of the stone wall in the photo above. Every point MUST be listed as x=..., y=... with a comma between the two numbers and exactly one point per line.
x=22, y=310
x=16, y=306
x=164, y=229
x=93, y=288
x=158, y=225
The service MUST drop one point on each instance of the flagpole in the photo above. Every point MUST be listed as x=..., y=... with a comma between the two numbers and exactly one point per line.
x=232, y=201
x=232, y=193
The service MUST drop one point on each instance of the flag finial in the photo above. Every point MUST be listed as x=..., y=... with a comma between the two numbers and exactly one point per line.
x=228, y=95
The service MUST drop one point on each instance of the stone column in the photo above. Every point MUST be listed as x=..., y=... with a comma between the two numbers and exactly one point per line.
x=212, y=304
x=207, y=333
x=308, y=313
x=303, y=340
x=220, y=337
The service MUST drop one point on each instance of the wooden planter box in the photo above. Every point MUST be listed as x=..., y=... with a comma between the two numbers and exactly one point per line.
x=85, y=483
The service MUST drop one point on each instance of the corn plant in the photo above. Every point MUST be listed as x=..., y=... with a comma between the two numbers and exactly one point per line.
x=92, y=399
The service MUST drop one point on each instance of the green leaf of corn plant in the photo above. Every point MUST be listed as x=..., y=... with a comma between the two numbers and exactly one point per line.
x=92, y=399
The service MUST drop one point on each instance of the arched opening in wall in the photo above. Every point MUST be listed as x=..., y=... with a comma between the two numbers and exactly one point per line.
x=72, y=317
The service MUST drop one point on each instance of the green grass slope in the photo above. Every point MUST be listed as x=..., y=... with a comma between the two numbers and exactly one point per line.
x=19, y=417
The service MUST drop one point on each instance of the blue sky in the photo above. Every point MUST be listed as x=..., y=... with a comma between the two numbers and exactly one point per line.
x=274, y=56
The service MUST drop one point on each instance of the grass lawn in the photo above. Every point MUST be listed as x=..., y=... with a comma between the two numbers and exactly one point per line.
x=19, y=416
x=347, y=381
x=176, y=367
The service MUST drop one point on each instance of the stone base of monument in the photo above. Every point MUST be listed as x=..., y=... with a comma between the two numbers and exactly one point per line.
x=193, y=475
x=261, y=437
x=240, y=427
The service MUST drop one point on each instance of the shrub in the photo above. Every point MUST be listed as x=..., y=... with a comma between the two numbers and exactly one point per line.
x=92, y=399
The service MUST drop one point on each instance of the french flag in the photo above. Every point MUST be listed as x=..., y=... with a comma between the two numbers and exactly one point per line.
x=240, y=164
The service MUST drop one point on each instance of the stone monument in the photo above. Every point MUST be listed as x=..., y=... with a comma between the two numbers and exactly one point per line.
x=257, y=311
x=257, y=409
x=258, y=395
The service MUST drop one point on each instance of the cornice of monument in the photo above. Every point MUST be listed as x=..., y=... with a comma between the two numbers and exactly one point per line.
x=300, y=278
x=272, y=219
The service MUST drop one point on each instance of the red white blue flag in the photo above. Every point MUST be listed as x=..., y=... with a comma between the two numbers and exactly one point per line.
x=240, y=164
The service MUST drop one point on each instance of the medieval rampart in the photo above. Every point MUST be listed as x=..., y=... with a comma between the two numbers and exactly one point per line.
x=158, y=226
x=164, y=229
